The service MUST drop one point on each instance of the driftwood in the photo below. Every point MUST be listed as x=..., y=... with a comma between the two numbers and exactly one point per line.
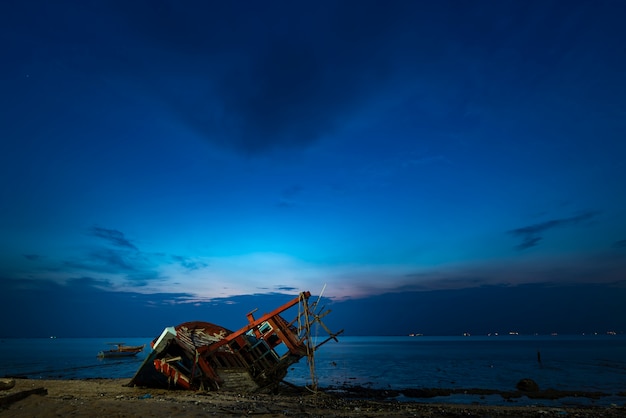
x=18, y=396
x=6, y=384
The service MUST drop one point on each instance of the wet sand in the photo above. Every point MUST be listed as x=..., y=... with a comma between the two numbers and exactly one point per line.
x=109, y=397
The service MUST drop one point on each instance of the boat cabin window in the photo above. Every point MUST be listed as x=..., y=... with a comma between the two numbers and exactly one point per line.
x=265, y=327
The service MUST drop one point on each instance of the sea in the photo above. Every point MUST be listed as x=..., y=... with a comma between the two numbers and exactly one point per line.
x=591, y=363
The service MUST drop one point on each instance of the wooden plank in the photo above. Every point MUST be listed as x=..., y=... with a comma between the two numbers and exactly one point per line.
x=18, y=396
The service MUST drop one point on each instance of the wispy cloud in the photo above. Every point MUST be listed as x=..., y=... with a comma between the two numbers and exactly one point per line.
x=90, y=282
x=189, y=263
x=117, y=259
x=113, y=236
x=532, y=234
x=107, y=260
x=271, y=273
x=287, y=288
x=32, y=257
x=114, y=259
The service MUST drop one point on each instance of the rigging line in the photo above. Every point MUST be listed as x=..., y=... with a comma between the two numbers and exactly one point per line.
x=92, y=366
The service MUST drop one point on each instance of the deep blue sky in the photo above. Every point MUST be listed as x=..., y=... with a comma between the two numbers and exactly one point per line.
x=441, y=166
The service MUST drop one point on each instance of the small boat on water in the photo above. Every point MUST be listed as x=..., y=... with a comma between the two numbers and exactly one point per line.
x=121, y=350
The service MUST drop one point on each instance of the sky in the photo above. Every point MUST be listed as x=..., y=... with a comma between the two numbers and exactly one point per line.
x=437, y=167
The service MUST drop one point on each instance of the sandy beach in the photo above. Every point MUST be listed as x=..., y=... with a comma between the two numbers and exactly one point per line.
x=109, y=397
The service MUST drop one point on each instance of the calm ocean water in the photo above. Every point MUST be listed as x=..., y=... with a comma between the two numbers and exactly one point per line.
x=588, y=363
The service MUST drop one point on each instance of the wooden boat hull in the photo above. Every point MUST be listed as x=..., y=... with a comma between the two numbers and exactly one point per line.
x=121, y=351
x=117, y=354
x=201, y=355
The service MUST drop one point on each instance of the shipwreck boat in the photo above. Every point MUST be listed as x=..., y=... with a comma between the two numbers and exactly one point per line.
x=204, y=356
x=121, y=350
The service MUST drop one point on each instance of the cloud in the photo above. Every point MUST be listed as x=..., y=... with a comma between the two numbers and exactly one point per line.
x=257, y=77
x=32, y=257
x=287, y=288
x=189, y=263
x=89, y=282
x=75, y=309
x=288, y=195
x=114, y=260
x=106, y=260
x=124, y=262
x=269, y=273
x=119, y=263
x=532, y=234
x=528, y=242
x=452, y=312
x=112, y=236
x=620, y=244
x=266, y=273
x=254, y=90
